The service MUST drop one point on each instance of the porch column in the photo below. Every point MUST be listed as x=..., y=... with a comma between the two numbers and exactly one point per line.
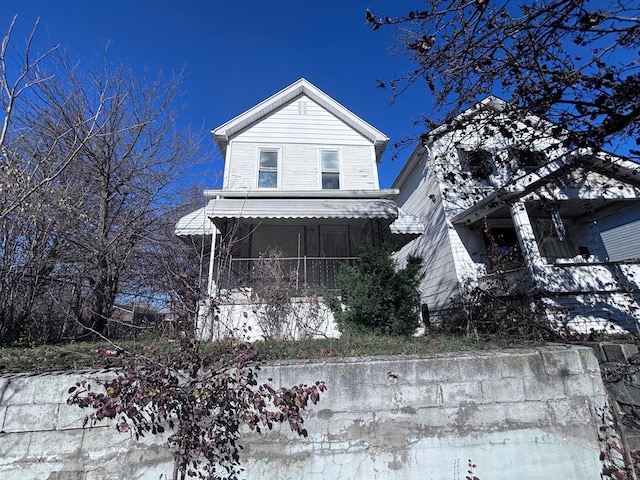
x=211, y=286
x=524, y=231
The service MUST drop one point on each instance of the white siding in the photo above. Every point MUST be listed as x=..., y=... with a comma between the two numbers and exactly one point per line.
x=420, y=196
x=292, y=124
x=299, y=134
x=621, y=235
x=241, y=167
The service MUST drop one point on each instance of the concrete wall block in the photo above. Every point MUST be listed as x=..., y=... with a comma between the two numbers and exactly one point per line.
x=581, y=386
x=521, y=364
x=503, y=390
x=559, y=362
x=473, y=417
x=571, y=412
x=13, y=448
x=525, y=414
x=70, y=417
x=19, y=389
x=336, y=376
x=355, y=398
x=289, y=374
x=105, y=443
x=590, y=362
x=455, y=393
x=55, y=446
x=615, y=352
x=402, y=369
x=147, y=461
x=29, y=418
x=439, y=369
x=543, y=389
x=434, y=421
x=38, y=470
x=57, y=387
x=480, y=367
x=350, y=429
x=421, y=395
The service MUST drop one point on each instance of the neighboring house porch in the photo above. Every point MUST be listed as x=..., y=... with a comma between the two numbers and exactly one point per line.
x=569, y=235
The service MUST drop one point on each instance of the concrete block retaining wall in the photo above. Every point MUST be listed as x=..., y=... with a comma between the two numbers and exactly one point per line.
x=526, y=414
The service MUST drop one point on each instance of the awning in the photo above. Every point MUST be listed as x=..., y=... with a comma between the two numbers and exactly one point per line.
x=406, y=224
x=195, y=223
x=293, y=208
x=200, y=222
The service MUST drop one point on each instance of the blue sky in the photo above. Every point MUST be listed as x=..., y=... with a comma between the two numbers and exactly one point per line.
x=237, y=53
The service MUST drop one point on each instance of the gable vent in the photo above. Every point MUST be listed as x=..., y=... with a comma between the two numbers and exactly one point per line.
x=302, y=108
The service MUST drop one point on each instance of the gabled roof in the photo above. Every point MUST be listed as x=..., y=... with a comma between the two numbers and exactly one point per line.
x=490, y=102
x=226, y=131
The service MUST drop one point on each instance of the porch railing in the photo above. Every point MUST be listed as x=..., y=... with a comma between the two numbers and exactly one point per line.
x=571, y=277
x=298, y=272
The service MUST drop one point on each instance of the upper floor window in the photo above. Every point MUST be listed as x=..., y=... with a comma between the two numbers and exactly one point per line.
x=529, y=160
x=330, y=169
x=479, y=162
x=268, y=169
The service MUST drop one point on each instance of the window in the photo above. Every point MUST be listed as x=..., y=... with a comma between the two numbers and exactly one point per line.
x=552, y=237
x=479, y=163
x=502, y=248
x=268, y=169
x=529, y=160
x=330, y=168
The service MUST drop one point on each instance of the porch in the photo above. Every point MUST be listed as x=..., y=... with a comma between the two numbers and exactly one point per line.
x=585, y=266
x=299, y=273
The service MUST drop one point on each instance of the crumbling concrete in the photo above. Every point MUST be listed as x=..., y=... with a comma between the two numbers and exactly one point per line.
x=526, y=414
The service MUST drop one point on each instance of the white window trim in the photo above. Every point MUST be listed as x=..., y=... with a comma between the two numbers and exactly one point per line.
x=278, y=150
x=340, y=169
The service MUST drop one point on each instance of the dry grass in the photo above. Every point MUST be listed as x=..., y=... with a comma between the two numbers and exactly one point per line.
x=97, y=355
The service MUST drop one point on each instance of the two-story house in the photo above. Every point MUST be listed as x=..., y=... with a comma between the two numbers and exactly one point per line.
x=300, y=178
x=569, y=219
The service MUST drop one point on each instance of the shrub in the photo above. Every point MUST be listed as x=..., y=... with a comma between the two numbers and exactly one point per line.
x=377, y=296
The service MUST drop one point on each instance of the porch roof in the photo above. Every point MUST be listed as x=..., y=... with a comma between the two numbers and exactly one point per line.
x=194, y=223
x=201, y=221
x=406, y=224
x=290, y=208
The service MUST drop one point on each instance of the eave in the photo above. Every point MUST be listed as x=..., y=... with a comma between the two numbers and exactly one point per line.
x=226, y=131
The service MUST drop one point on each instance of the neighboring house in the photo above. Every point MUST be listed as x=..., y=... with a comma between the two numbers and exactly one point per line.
x=570, y=220
x=139, y=315
x=300, y=187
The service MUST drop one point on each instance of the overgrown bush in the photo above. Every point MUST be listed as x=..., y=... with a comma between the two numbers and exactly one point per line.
x=484, y=313
x=377, y=296
x=503, y=306
x=203, y=403
x=286, y=308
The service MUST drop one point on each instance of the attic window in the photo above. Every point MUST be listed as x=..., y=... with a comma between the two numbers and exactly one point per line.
x=479, y=162
x=529, y=160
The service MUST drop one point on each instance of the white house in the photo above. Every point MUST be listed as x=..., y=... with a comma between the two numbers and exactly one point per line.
x=300, y=177
x=571, y=218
